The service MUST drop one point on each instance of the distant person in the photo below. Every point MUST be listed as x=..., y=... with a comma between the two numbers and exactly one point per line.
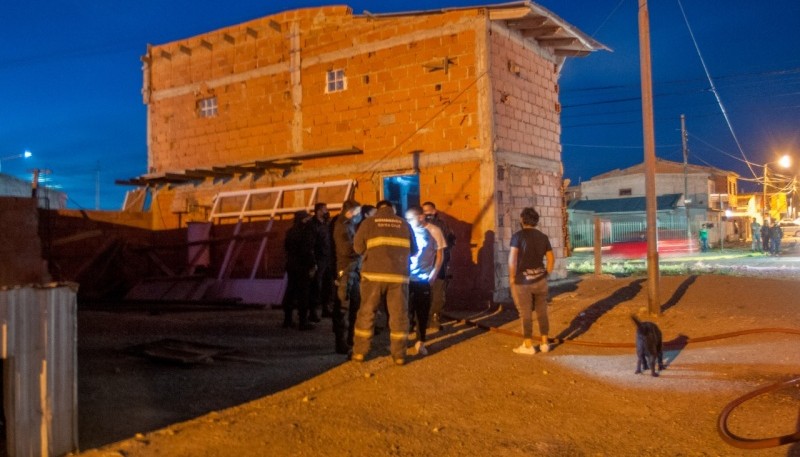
x=765, y=231
x=300, y=269
x=439, y=287
x=385, y=243
x=424, y=268
x=322, y=286
x=703, y=236
x=755, y=228
x=527, y=277
x=348, y=281
x=775, y=235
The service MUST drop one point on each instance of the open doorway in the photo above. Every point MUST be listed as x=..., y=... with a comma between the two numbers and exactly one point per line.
x=402, y=191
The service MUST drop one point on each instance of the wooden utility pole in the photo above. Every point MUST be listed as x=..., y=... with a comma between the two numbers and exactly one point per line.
x=653, y=304
x=686, y=179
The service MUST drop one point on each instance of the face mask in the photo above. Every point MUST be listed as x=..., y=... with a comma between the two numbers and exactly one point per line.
x=429, y=217
x=357, y=218
x=326, y=217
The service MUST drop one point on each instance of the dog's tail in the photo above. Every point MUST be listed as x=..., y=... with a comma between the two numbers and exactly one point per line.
x=636, y=321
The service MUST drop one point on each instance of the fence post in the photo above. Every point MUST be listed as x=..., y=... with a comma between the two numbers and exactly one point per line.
x=598, y=244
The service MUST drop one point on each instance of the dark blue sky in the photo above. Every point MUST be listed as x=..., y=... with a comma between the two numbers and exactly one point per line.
x=70, y=80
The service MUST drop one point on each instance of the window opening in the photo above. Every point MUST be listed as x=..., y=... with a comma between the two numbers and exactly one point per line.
x=207, y=107
x=336, y=81
x=402, y=191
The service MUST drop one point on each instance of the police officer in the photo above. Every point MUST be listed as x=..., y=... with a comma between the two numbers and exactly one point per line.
x=385, y=243
x=300, y=269
x=322, y=285
x=439, y=286
x=348, y=265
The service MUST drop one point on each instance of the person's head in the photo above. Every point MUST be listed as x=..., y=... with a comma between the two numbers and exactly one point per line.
x=754, y=220
x=529, y=217
x=703, y=226
x=368, y=211
x=351, y=209
x=384, y=204
x=415, y=217
x=300, y=217
x=321, y=211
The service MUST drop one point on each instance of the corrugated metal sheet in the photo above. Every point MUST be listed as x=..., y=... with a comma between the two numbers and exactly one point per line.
x=39, y=347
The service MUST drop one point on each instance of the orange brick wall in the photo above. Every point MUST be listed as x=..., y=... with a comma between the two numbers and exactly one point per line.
x=454, y=127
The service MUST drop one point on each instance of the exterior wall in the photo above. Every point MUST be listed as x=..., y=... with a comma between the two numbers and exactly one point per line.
x=48, y=198
x=20, y=248
x=527, y=145
x=700, y=187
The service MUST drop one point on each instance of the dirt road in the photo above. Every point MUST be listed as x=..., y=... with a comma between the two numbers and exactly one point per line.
x=470, y=396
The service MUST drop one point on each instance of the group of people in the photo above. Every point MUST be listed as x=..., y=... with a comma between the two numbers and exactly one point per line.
x=765, y=238
x=365, y=259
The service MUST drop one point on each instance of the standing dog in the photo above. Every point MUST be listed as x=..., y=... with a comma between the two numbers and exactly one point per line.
x=648, y=346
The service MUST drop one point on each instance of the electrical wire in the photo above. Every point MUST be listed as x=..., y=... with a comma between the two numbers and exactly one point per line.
x=714, y=89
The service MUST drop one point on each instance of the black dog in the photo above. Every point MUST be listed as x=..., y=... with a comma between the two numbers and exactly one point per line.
x=648, y=346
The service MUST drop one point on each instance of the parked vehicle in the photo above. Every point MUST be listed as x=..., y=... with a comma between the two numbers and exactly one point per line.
x=790, y=227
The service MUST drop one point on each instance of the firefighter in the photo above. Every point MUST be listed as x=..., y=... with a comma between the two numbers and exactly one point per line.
x=348, y=265
x=385, y=243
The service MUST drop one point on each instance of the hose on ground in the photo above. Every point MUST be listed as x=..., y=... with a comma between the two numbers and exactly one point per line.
x=681, y=341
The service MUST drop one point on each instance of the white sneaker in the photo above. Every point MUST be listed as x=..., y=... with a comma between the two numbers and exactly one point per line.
x=526, y=350
x=544, y=347
x=421, y=349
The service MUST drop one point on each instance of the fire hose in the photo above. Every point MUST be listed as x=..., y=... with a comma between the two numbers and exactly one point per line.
x=722, y=423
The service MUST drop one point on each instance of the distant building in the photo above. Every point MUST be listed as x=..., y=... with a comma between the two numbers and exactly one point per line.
x=458, y=106
x=11, y=186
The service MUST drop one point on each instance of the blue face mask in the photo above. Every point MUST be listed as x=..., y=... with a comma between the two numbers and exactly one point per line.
x=357, y=218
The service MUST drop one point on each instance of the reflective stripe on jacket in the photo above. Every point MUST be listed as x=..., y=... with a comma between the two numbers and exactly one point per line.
x=385, y=242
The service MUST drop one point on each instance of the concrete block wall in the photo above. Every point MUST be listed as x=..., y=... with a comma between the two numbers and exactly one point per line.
x=527, y=145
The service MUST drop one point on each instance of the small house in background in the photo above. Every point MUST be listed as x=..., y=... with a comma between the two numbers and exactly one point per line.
x=459, y=106
x=618, y=197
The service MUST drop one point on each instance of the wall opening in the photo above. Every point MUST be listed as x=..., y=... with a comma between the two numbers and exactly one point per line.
x=402, y=191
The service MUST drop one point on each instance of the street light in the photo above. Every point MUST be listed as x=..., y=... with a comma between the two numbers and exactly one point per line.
x=24, y=155
x=785, y=161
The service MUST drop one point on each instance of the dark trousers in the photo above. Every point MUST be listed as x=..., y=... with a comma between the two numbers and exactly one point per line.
x=396, y=296
x=438, y=296
x=345, y=307
x=419, y=305
x=322, y=287
x=297, y=295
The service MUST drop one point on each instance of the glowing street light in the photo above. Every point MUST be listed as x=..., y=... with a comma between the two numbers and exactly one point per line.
x=24, y=155
x=785, y=161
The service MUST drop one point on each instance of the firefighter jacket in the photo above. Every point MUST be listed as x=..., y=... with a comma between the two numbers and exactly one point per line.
x=385, y=243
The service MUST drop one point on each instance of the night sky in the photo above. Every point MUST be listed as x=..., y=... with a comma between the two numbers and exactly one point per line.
x=70, y=80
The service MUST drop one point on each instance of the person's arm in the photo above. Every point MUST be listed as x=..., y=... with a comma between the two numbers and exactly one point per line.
x=437, y=265
x=513, y=254
x=551, y=261
x=359, y=242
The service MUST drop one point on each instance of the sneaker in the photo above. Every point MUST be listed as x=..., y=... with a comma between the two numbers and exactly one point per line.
x=544, y=347
x=399, y=361
x=421, y=349
x=522, y=349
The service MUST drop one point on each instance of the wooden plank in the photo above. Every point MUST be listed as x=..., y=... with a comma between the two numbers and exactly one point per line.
x=77, y=237
x=527, y=23
x=557, y=42
x=541, y=31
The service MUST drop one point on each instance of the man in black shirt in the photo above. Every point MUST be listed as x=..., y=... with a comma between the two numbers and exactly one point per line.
x=527, y=276
x=322, y=284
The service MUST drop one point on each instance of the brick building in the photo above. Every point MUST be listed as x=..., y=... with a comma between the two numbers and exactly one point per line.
x=458, y=106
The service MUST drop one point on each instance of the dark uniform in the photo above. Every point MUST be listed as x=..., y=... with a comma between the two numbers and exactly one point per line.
x=348, y=293
x=385, y=243
x=322, y=285
x=439, y=287
x=299, y=245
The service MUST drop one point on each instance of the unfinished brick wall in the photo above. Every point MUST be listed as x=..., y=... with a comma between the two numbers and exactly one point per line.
x=527, y=144
x=20, y=249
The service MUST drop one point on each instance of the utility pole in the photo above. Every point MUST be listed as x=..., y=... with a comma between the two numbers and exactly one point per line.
x=653, y=304
x=686, y=178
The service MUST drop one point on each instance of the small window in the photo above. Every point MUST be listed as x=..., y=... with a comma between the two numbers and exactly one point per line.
x=336, y=81
x=625, y=192
x=207, y=107
x=401, y=190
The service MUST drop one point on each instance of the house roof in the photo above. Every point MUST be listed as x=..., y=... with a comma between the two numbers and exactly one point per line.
x=665, y=167
x=625, y=205
x=534, y=22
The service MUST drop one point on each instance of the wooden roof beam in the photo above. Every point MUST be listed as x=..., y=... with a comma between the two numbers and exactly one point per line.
x=557, y=42
x=570, y=52
x=527, y=23
x=537, y=32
